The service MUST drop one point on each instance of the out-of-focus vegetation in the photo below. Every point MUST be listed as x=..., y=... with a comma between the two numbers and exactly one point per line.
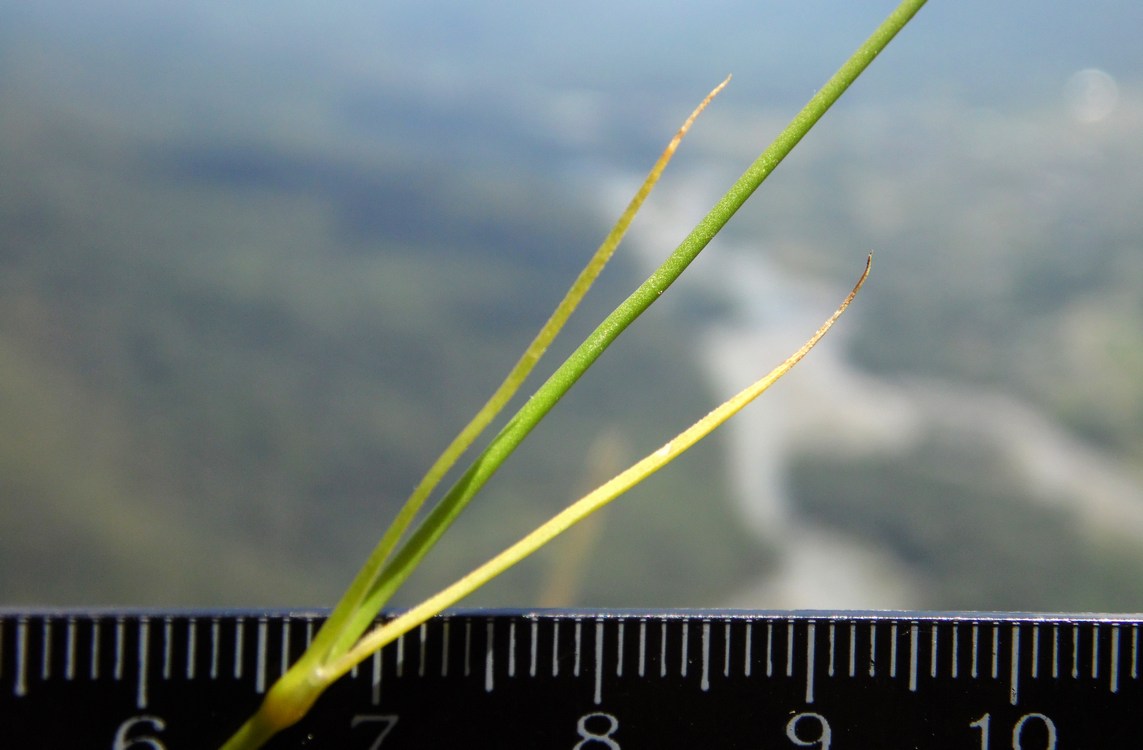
x=1003, y=326
x=223, y=364
x=251, y=284
x=975, y=536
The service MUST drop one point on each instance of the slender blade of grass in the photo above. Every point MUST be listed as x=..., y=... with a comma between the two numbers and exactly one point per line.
x=561, y=381
x=295, y=692
x=341, y=630
x=586, y=505
x=285, y=703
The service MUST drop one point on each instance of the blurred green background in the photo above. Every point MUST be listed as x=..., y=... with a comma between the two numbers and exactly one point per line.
x=259, y=263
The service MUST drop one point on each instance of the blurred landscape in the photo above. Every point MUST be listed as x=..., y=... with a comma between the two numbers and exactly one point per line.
x=258, y=265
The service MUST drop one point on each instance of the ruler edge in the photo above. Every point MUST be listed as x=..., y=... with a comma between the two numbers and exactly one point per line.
x=585, y=613
x=807, y=618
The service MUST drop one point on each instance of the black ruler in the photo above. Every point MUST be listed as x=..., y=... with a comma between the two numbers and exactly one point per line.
x=586, y=680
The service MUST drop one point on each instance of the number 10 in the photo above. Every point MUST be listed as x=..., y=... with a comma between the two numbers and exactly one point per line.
x=1017, y=729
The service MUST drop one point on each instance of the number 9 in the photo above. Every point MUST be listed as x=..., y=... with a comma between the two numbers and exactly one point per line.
x=822, y=738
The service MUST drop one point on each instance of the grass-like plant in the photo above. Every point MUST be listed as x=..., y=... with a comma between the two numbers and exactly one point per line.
x=350, y=635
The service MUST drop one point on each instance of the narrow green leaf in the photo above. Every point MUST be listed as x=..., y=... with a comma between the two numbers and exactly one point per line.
x=586, y=505
x=295, y=692
x=561, y=381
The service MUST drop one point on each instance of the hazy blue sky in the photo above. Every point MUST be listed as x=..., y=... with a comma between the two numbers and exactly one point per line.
x=982, y=49
x=475, y=76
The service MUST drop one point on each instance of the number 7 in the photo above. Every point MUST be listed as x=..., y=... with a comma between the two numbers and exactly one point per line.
x=388, y=720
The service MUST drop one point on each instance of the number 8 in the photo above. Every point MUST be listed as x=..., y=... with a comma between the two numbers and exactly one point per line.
x=591, y=738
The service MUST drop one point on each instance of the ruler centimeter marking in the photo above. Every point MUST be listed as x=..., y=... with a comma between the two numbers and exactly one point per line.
x=46, y=660
x=158, y=680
